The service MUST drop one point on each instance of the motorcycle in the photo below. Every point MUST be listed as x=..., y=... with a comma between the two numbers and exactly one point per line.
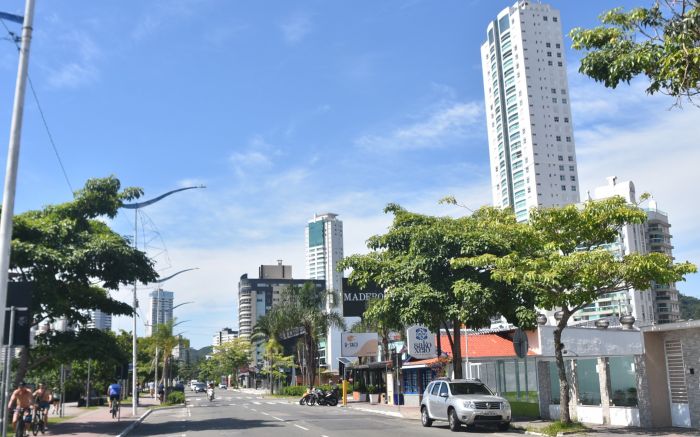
x=210, y=394
x=321, y=397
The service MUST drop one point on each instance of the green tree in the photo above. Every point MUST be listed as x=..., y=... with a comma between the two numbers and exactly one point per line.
x=413, y=263
x=690, y=307
x=166, y=342
x=661, y=42
x=302, y=309
x=73, y=259
x=232, y=355
x=382, y=318
x=570, y=265
x=275, y=362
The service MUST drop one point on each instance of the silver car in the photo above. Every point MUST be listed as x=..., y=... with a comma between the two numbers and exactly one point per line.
x=463, y=401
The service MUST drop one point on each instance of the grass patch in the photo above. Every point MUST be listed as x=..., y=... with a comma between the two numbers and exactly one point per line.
x=513, y=396
x=57, y=419
x=556, y=427
x=524, y=409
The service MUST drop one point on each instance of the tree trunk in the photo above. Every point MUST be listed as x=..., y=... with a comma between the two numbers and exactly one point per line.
x=22, y=365
x=385, y=347
x=457, y=349
x=564, y=415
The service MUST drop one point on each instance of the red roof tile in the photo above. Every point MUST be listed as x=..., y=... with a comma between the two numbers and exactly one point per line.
x=481, y=346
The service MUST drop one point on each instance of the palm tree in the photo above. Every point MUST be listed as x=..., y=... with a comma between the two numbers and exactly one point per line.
x=164, y=339
x=304, y=308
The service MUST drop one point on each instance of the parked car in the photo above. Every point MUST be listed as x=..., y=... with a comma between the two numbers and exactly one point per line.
x=464, y=401
x=223, y=386
x=193, y=383
x=200, y=387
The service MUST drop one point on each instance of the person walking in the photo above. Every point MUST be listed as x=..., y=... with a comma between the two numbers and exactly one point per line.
x=56, y=400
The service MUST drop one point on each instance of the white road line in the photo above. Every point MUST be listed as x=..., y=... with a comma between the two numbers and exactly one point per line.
x=253, y=409
x=271, y=403
x=264, y=413
x=231, y=405
x=299, y=426
x=257, y=403
x=276, y=418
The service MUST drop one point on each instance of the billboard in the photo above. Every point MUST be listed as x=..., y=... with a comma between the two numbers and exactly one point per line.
x=355, y=299
x=421, y=342
x=363, y=344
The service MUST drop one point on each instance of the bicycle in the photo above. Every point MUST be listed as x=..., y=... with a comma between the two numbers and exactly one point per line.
x=38, y=422
x=24, y=419
x=116, y=410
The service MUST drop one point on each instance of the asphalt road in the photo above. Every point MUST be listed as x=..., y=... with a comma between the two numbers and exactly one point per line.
x=235, y=413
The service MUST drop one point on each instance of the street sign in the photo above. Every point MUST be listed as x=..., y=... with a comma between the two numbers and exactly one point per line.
x=19, y=295
x=520, y=343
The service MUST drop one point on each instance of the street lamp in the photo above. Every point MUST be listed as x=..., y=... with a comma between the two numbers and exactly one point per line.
x=136, y=206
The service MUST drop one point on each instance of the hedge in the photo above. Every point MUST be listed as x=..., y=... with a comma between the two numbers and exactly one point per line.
x=176, y=397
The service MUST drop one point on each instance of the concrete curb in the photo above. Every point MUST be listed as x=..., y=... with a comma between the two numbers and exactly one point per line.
x=143, y=417
x=395, y=414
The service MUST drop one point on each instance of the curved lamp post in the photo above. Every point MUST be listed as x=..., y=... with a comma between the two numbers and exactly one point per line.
x=136, y=206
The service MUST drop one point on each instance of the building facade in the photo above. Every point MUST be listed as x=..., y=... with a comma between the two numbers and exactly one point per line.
x=257, y=296
x=160, y=309
x=224, y=336
x=324, y=250
x=100, y=320
x=666, y=299
x=528, y=111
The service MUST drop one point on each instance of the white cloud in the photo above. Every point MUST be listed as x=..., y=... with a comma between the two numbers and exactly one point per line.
x=449, y=122
x=80, y=70
x=296, y=27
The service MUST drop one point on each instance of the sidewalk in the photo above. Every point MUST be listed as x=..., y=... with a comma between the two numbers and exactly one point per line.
x=98, y=422
x=413, y=413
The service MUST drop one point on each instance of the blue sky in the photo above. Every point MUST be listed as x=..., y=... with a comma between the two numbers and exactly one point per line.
x=286, y=108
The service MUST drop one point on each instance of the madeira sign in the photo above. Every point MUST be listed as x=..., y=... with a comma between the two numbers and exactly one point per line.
x=355, y=299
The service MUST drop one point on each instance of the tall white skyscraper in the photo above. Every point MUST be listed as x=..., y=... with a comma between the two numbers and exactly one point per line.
x=100, y=320
x=160, y=309
x=324, y=249
x=528, y=111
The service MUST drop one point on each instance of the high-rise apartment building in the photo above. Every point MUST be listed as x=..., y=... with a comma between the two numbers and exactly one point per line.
x=660, y=304
x=324, y=250
x=100, y=320
x=666, y=298
x=528, y=110
x=160, y=309
x=224, y=336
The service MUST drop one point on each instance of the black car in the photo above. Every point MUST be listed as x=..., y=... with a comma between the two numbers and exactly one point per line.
x=179, y=387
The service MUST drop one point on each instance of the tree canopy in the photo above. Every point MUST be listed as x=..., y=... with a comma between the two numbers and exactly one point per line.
x=73, y=258
x=661, y=42
x=571, y=263
x=413, y=263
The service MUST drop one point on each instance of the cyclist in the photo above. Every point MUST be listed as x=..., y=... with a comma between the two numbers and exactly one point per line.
x=23, y=398
x=113, y=391
x=42, y=398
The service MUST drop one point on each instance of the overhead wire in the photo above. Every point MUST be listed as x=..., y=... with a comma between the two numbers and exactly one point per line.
x=15, y=40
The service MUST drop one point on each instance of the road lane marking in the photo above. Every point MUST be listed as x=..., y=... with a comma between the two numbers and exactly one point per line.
x=299, y=426
x=277, y=418
x=271, y=403
x=264, y=413
x=253, y=409
x=257, y=403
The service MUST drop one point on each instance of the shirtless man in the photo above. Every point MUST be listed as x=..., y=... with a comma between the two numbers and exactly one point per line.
x=43, y=398
x=23, y=398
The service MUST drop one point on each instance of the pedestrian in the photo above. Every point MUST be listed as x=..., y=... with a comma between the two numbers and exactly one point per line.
x=151, y=388
x=56, y=400
x=161, y=392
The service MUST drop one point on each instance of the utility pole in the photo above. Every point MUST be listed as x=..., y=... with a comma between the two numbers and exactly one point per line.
x=8, y=198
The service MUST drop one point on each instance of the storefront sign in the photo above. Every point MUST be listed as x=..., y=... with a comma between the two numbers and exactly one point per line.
x=362, y=344
x=421, y=342
x=355, y=299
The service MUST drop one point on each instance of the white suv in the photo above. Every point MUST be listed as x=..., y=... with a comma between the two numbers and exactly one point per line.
x=463, y=401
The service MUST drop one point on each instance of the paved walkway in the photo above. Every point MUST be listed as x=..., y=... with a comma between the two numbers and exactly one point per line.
x=98, y=422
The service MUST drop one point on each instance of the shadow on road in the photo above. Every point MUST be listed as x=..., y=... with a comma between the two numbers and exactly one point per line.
x=220, y=424
x=94, y=427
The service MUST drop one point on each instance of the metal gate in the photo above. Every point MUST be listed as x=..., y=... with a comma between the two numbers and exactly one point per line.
x=678, y=390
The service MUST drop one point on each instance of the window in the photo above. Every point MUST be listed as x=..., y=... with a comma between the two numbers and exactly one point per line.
x=566, y=119
x=548, y=45
x=558, y=54
x=561, y=168
x=550, y=63
x=556, y=119
x=558, y=137
x=554, y=90
x=563, y=91
x=544, y=17
x=571, y=159
x=549, y=54
x=563, y=100
x=573, y=188
x=555, y=19
x=563, y=187
x=562, y=177
x=568, y=139
x=443, y=389
x=558, y=45
x=561, y=158
x=571, y=168
x=554, y=100
x=588, y=382
x=436, y=388
x=573, y=178
x=559, y=64
x=623, y=383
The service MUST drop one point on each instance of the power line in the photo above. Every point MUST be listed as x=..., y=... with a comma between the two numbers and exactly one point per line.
x=41, y=112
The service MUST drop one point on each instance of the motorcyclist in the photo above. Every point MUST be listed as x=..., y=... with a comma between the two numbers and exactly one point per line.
x=210, y=391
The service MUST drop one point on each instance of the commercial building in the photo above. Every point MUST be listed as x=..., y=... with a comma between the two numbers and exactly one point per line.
x=528, y=111
x=160, y=309
x=666, y=298
x=100, y=320
x=324, y=250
